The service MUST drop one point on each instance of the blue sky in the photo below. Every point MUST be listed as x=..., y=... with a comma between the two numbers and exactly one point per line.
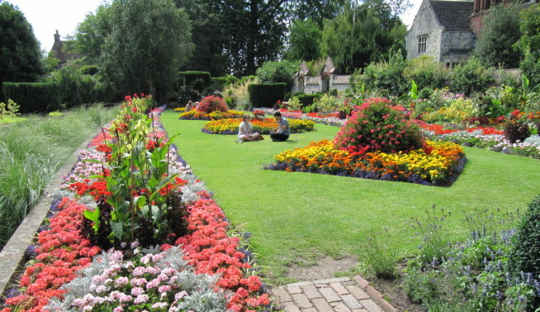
x=48, y=16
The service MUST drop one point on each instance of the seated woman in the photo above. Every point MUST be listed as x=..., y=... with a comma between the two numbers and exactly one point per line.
x=245, y=131
x=282, y=132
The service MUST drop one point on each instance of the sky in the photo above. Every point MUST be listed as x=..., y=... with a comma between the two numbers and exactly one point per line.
x=65, y=15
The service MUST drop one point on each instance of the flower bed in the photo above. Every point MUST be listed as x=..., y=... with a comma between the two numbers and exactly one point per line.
x=265, y=126
x=198, y=115
x=438, y=164
x=53, y=281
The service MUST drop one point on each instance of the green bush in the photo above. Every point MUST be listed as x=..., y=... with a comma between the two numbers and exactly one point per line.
x=386, y=77
x=308, y=99
x=273, y=72
x=75, y=88
x=267, y=94
x=530, y=43
x=525, y=256
x=219, y=83
x=33, y=97
x=471, y=77
x=426, y=72
x=89, y=70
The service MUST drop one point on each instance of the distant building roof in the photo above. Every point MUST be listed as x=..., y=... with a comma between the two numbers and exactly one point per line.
x=453, y=15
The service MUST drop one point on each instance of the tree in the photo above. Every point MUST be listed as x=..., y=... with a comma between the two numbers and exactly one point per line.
x=304, y=41
x=91, y=33
x=530, y=43
x=254, y=30
x=278, y=72
x=500, y=33
x=208, y=36
x=20, y=58
x=150, y=40
x=316, y=11
x=362, y=34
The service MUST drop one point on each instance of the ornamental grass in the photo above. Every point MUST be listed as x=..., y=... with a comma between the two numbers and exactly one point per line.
x=263, y=126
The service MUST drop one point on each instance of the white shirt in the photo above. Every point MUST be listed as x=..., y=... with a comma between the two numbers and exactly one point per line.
x=244, y=129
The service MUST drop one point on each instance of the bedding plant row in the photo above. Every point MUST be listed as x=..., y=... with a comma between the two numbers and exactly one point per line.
x=496, y=139
x=169, y=246
x=378, y=141
x=210, y=108
x=263, y=126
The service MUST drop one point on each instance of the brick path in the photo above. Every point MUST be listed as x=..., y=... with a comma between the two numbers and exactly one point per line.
x=341, y=294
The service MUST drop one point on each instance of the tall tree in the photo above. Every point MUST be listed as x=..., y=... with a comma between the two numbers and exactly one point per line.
x=501, y=31
x=317, y=11
x=91, y=33
x=362, y=34
x=150, y=40
x=304, y=41
x=208, y=36
x=255, y=32
x=20, y=58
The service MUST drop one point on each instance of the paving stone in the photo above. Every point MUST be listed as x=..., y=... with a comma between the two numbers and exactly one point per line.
x=361, y=282
x=302, y=301
x=339, y=289
x=294, y=289
x=359, y=310
x=349, y=283
x=387, y=307
x=322, y=305
x=333, y=280
x=372, y=292
x=358, y=293
x=301, y=283
x=281, y=294
x=351, y=302
x=341, y=307
x=311, y=292
x=329, y=294
x=291, y=307
x=309, y=310
x=371, y=306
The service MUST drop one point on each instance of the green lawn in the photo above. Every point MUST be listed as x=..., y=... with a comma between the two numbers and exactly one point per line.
x=294, y=216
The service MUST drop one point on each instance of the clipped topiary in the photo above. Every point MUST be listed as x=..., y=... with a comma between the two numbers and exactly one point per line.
x=525, y=256
x=376, y=125
x=212, y=103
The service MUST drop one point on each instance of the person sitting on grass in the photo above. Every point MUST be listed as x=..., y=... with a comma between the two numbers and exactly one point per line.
x=282, y=132
x=246, y=133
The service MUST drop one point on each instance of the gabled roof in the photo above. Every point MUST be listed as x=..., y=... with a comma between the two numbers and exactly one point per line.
x=453, y=15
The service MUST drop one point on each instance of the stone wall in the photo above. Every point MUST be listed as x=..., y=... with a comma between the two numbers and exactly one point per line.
x=456, y=46
x=425, y=23
x=315, y=84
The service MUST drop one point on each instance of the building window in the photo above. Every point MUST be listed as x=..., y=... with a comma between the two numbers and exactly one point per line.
x=422, y=40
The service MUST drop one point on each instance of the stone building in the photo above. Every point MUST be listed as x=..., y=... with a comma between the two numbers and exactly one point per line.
x=62, y=49
x=442, y=30
x=481, y=7
x=325, y=81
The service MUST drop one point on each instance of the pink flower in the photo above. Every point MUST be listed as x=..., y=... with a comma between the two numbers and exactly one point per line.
x=141, y=299
x=137, y=291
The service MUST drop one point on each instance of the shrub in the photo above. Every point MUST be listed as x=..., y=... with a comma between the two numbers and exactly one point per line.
x=426, y=73
x=11, y=109
x=471, y=77
x=328, y=103
x=516, y=128
x=377, y=126
x=525, y=255
x=499, y=34
x=219, y=83
x=386, y=77
x=530, y=43
x=294, y=104
x=459, y=110
x=212, y=104
x=89, y=70
x=33, y=97
x=308, y=99
x=380, y=257
x=267, y=94
x=272, y=72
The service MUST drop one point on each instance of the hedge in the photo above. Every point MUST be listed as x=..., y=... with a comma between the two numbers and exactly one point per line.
x=267, y=94
x=32, y=97
x=199, y=80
